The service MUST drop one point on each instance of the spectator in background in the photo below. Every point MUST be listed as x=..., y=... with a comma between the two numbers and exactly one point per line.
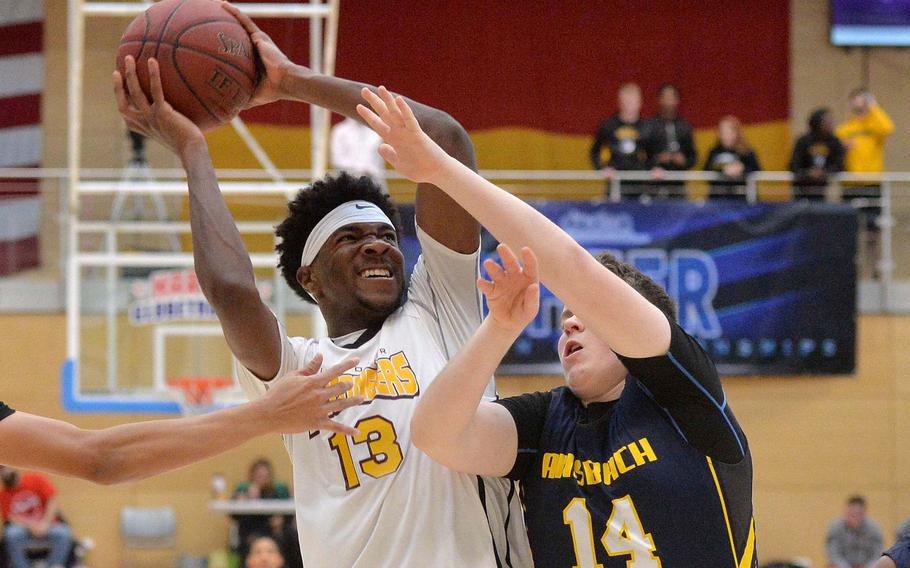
x=618, y=141
x=732, y=158
x=863, y=135
x=264, y=553
x=854, y=541
x=816, y=154
x=28, y=502
x=354, y=148
x=898, y=556
x=261, y=484
x=668, y=142
x=903, y=530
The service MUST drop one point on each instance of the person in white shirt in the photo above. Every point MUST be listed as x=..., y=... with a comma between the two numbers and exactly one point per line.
x=372, y=498
x=354, y=148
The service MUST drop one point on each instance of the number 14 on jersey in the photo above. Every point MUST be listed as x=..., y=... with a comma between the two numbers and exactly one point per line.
x=624, y=535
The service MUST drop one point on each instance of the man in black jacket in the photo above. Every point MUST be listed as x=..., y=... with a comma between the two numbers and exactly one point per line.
x=816, y=154
x=668, y=142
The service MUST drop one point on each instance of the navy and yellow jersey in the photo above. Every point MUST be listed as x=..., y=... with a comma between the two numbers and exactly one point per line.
x=661, y=477
x=618, y=144
x=5, y=411
x=900, y=553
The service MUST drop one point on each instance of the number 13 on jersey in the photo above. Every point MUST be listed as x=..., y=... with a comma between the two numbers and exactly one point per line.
x=379, y=435
x=624, y=535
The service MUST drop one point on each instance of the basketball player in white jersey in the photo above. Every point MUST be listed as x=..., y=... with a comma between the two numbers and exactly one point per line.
x=371, y=499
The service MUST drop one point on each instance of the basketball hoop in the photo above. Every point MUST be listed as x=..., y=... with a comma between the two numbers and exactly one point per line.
x=196, y=395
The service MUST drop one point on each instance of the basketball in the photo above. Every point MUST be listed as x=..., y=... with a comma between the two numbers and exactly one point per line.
x=208, y=71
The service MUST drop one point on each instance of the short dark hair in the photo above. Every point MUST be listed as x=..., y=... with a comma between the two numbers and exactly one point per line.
x=642, y=284
x=816, y=118
x=314, y=202
x=857, y=500
x=664, y=86
x=261, y=462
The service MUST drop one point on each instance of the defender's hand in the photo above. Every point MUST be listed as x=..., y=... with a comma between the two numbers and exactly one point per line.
x=304, y=400
x=513, y=291
x=274, y=63
x=156, y=119
x=406, y=146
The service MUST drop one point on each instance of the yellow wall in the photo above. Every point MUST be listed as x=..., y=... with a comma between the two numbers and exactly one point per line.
x=814, y=441
x=33, y=349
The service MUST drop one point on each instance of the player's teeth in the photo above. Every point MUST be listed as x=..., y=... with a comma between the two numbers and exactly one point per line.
x=375, y=272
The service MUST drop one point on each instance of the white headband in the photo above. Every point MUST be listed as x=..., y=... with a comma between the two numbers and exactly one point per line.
x=358, y=211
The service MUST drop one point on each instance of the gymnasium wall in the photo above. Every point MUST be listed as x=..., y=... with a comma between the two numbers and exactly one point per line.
x=528, y=89
x=814, y=441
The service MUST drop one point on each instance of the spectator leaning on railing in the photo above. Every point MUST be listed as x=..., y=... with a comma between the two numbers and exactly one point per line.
x=732, y=158
x=668, y=141
x=817, y=154
x=863, y=135
x=618, y=141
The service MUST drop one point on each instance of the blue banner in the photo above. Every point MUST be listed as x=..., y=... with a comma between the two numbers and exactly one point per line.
x=766, y=288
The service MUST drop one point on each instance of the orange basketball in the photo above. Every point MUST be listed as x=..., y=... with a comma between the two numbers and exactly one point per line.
x=208, y=70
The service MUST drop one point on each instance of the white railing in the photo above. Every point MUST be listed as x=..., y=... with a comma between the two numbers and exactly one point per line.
x=96, y=182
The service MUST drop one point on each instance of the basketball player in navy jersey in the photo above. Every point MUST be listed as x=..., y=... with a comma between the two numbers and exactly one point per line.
x=638, y=462
x=898, y=556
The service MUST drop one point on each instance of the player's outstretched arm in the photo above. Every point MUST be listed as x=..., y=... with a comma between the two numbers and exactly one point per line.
x=222, y=263
x=451, y=423
x=619, y=315
x=298, y=402
x=437, y=214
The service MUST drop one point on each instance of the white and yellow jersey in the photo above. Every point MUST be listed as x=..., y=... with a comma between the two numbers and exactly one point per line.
x=375, y=499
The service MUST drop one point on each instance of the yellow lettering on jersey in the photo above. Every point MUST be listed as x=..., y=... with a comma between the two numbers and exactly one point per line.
x=642, y=450
x=385, y=367
x=592, y=472
x=551, y=465
x=577, y=473
x=610, y=473
x=589, y=472
x=383, y=388
x=392, y=377
x=404, y=372
x=621, y=466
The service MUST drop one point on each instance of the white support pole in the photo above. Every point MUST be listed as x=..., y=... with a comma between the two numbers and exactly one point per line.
x=257, y=150
x=263, y=10
x=158, y=260
x=75, y=57
x=615, y=190
x=111, y=313
x=317, y=114
x=885, y=222
x=751, y=189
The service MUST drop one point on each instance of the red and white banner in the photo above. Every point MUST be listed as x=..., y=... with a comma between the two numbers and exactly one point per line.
x=21, y=84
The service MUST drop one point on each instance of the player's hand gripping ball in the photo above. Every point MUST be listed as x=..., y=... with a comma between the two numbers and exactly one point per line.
x=207, y=60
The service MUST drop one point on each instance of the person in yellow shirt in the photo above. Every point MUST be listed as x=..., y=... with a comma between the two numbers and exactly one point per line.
x=864, y=132
x=863, y=135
